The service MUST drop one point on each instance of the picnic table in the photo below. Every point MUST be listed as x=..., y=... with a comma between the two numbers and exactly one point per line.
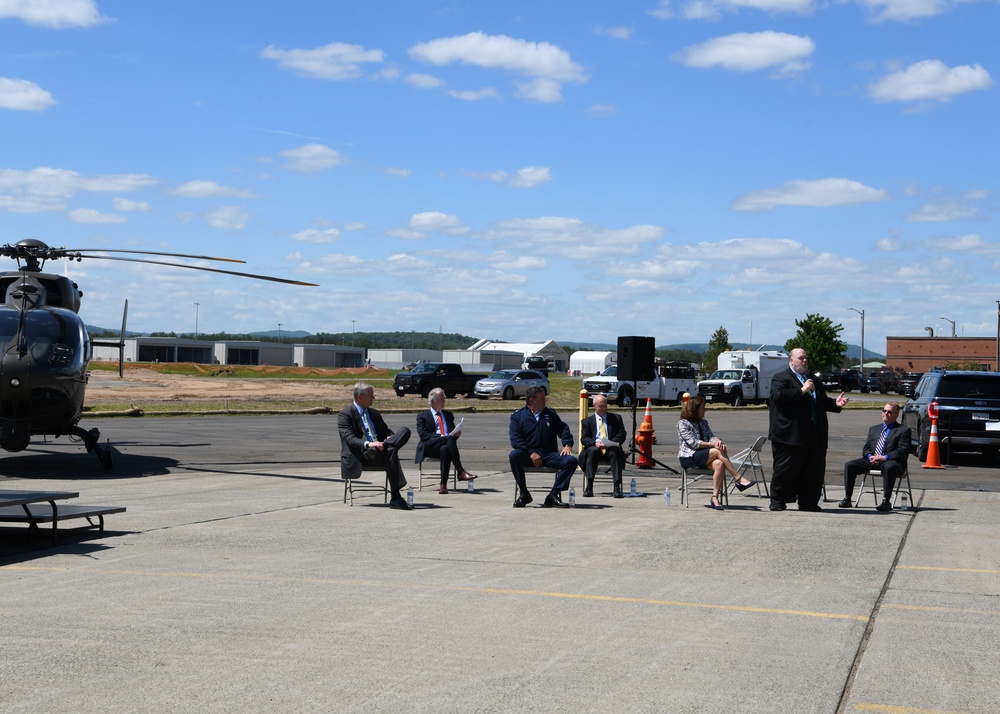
x=36, y=507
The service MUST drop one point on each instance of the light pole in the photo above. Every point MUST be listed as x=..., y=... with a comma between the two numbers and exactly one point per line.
x=196, y=306
x=279, y=332
x=996, y=365
x=952, y=325
x=862, y=313
x=352, y=332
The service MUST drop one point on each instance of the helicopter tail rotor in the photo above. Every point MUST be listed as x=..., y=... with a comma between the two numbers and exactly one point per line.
x=119, y=345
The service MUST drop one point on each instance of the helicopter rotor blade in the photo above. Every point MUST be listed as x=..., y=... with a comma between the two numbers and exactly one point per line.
x=207, y=270
x=149, y=252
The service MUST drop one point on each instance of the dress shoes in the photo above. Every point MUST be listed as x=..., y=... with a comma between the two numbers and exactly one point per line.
x=588, y=492
x=553, y=500
x=884, y=507
x=523, y=499
x=777, y=506
x=844, y=503
x=618, y=491
x=442, y=489
x=466, y=476
x=812, y=509
x=744, y=486
x=399, y=503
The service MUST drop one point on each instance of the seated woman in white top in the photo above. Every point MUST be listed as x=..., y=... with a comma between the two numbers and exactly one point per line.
x=699, y=448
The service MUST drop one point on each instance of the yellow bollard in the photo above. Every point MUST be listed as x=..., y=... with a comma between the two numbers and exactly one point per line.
x=584, y=410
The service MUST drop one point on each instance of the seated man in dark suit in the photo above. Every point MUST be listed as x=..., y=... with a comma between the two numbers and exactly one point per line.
x=602, y=436
x=436, y=428
x=533, y=432
x=365, y=440
x=887, y=448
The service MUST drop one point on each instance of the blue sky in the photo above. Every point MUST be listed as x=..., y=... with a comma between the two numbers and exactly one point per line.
x=518, y=170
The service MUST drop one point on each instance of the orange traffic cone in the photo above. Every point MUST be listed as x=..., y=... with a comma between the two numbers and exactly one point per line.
x=933, y=452
x=645, y=439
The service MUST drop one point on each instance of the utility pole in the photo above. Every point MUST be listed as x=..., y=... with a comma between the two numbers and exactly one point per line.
x=862, y=313
x=952, y=325
x=196, y=306
x=352, y=332
x=279, y=332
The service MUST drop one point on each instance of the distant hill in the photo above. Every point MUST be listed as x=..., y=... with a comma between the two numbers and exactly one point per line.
x=282, y=333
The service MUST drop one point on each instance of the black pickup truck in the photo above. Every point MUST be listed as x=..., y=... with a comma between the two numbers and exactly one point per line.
x=425, y=376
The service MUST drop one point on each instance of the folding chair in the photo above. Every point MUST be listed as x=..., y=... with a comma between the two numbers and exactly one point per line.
x=355, y=484
x=749, y=460
x=690, y=476
x=876, y=475
x=534, y=470
x=434, y=475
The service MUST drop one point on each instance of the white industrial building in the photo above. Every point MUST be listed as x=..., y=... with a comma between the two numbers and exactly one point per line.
x=249, y=352
x=585, y=363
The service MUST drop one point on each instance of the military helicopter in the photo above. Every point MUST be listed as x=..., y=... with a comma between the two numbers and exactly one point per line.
x=46, y=348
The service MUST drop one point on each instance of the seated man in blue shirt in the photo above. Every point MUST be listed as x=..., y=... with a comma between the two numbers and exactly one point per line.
x=534, y=429
x=887, y=448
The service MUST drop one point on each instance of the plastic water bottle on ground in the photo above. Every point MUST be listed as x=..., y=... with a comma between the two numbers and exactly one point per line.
x=904, y=505
x=572, y=496
x=631, y=488
x=472, y=485
x=666, y=497
x=409, y=497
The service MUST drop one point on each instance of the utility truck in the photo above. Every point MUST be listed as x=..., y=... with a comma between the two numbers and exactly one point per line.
x=672, y=381
x=743, y=377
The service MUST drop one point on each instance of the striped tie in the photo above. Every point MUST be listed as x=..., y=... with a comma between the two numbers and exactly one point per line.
x=880, y=447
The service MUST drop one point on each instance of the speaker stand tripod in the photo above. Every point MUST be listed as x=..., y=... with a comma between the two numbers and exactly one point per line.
x=632, y=450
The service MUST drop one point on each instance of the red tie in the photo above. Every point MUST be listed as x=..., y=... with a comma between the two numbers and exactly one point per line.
x=441, y=425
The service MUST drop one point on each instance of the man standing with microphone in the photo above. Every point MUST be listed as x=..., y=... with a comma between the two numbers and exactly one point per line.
x=799, y=433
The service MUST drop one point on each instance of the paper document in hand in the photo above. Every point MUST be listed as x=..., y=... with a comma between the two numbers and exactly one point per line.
x=458, y=427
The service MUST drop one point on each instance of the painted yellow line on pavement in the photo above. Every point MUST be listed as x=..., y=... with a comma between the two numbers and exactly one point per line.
x=463, y=588
x=890, y=709
x=948, y=570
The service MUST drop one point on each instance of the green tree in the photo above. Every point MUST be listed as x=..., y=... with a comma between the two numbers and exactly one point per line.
x=820, y=338
x=718, y=344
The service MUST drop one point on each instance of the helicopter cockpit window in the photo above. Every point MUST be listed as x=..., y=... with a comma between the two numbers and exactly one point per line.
x=8, y=326
x=55, y=339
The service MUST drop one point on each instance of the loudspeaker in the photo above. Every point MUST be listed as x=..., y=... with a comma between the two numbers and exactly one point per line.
x=635, y=359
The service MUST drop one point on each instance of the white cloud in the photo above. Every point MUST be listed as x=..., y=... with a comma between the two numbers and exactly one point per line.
x=750, y=51
x=47, y=189
x=616, y=33
x=930, y=80
x=89, y=215
x=530, y=176
x=404, y=234
x=355, y=226
x=474, y=95
x=603, y=110
x=424, y=81
x=822, y=193
x=714, y=9
x=53, y=13
x=311, y=158
x=311, y=235
x=227, y=218
x=435, y=221
x=22, y=95
x=571, y=237
x=941, y=211
x=210, y=189
x=547, y=65
x=396, y=171
x=903, y=10
x=967, y=243
x=502, y=260
x=123, y=204
x=335, y=61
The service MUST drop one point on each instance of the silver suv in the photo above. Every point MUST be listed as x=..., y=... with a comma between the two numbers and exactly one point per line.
x=969, y=411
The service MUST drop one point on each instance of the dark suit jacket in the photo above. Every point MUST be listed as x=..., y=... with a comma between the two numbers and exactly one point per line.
x=352, y=438
x=427, y=430
x=588, y=434
x=897, y=443
x=528, y=436
x=791, y=411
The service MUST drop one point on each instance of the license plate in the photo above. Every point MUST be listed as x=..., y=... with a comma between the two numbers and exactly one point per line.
x=980, y=416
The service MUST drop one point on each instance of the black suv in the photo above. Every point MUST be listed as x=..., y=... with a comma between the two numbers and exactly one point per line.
x=969, y=411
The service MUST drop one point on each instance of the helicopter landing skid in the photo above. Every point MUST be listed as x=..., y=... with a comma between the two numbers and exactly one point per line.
x=91, y=440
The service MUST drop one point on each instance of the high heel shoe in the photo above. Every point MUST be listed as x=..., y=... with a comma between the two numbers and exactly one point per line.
x=744, y=486
x=716, y=504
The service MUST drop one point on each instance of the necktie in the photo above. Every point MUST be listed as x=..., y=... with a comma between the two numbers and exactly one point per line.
x=444, y=432
x=604, y=433
x=368, y=425
x=812, y=397
x=880, y=447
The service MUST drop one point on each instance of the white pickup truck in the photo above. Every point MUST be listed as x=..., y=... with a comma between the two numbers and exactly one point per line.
x=673, y=380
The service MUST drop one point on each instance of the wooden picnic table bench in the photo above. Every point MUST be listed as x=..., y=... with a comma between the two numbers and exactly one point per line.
x=35, y=507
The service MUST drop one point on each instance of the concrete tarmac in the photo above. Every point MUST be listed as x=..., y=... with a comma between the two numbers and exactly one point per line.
x=239, y=580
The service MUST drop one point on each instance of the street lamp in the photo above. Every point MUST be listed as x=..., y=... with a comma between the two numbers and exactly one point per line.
x=196, y=306
x=996, y=365
x=952, y=325
x=279, y=331
x=862, y=313
x=352, y=332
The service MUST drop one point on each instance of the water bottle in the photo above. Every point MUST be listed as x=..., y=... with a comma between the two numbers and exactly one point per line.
x=905, y=506
x=409, y=497
x=572, y=496
x=666, y=497
x=631, y=489
x=472, y=485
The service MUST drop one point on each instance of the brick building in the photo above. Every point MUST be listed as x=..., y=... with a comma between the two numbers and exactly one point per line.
x=919, y=354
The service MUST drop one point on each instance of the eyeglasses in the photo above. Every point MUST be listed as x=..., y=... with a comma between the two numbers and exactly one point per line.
x=888, y=411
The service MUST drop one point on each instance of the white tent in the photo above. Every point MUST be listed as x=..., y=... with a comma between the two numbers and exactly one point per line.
x=584, y=363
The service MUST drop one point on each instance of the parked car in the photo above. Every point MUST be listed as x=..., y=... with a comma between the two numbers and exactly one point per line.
x=907, y=382
x=425, y=376
x=968, y=407
x=510, y=383
x=869, y=384
x=841, y=380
